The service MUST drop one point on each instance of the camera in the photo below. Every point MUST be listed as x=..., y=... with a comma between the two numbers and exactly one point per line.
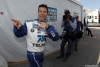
x=63, y=35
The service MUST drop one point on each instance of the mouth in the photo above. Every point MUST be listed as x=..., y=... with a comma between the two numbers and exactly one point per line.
x=42, y=17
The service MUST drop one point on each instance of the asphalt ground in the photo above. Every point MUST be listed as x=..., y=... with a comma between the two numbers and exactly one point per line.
x=88, y=54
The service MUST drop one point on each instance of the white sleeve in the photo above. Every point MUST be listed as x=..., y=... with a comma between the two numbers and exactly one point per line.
x=73, y=24
x=62, y=24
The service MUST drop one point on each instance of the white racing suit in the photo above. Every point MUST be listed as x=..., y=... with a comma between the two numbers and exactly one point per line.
x=35, y=40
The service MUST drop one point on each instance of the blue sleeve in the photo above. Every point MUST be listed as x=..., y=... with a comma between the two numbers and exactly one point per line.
x=20, y=32
x=52, y=33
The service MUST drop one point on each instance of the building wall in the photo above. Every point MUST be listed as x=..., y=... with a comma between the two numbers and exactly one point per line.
x=93, y=18
x=16, y=48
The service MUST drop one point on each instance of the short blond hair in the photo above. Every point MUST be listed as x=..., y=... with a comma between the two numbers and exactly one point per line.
x=76, y=16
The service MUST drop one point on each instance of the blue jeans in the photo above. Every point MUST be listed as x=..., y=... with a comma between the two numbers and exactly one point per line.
x=35, y=58
x=63, y=43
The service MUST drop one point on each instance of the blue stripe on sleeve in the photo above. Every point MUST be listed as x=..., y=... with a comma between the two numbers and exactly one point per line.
x=20, y=32
x=52, y=33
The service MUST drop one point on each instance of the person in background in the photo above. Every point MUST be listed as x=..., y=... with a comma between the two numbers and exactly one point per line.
x=89, y=31
x=69, y=27
x=35, y=32
x=79, y=32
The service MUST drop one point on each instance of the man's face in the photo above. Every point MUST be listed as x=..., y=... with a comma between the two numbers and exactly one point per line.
x=68, y=14
x=42, y=13
x=77, y=18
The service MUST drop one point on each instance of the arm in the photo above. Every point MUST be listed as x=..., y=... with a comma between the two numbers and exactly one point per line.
x=62, y=24
x=20, y=32
x=52, y=33
x=73, y=24
x=63, y=21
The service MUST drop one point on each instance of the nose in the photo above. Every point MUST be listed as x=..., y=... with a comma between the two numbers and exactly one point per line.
x=42, y=12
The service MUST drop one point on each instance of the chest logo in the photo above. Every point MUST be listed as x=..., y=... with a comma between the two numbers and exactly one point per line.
x=32, y=30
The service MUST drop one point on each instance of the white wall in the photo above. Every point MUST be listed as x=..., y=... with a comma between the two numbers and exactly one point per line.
x=14, y=49
x=94, y=14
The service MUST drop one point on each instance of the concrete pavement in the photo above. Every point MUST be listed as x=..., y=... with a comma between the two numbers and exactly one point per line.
x=87, y=56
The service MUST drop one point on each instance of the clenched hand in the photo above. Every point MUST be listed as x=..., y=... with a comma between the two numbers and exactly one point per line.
x=43, y=25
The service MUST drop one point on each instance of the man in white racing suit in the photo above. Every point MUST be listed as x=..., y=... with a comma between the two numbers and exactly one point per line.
x=35, y=32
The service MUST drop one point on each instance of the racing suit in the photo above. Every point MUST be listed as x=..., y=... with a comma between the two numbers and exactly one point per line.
x=36, y=38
